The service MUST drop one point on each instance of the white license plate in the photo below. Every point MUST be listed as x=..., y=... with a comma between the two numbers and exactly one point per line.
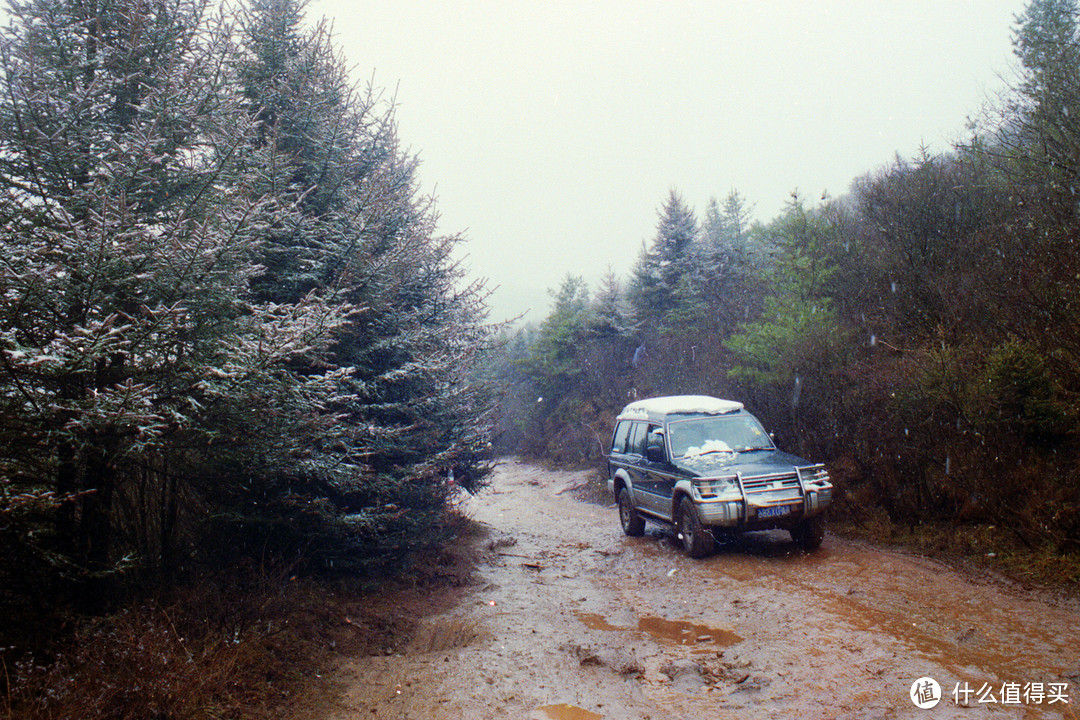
x=774, y=511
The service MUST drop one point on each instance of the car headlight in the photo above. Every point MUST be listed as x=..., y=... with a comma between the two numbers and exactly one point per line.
x=718, y=488
x=816, y=475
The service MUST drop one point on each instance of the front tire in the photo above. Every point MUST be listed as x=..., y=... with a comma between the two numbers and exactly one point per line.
x=809, y=533
x=632, y=523
x=696, y=539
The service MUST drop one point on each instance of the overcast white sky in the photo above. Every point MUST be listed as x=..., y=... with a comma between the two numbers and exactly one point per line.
x=551, y=131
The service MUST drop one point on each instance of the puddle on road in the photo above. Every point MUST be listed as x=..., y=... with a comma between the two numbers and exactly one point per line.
x=562, y=711
x=598, y=622
x=680, y=632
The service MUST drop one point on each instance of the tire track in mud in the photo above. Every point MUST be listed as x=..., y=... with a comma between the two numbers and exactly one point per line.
x=573, y=621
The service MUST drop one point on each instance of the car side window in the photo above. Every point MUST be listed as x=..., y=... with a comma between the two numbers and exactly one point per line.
x=637, y=439
x=622, y=432
x=655, y=437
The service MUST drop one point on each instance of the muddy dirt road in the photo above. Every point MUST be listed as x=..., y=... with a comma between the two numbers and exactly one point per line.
x=573, y=621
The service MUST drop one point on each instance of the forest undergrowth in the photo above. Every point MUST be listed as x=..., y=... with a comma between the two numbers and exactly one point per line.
x=251, y=642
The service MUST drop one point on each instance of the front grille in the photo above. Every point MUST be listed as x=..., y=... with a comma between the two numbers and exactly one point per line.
x=770, y=483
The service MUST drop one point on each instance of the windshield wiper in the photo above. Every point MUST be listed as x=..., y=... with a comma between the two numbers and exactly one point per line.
x=708, y=452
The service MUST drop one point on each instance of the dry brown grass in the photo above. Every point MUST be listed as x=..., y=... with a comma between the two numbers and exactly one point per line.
x=446, y=633
x=249, y=644
x=981, y=548
x=594, y=490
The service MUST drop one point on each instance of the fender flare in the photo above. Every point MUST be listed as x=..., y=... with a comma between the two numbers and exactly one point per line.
x=621, y=479
x=682, y=488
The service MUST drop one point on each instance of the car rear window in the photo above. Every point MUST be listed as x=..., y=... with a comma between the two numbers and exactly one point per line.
x=622, y=432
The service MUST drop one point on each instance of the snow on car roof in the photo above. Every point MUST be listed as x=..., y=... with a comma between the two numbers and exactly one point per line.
x=689, y=404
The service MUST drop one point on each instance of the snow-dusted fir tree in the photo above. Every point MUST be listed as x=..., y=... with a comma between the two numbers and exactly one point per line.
x=409, y=415
x=135, y=369
x=660, y=286
x=323, y=138
x=725, y=265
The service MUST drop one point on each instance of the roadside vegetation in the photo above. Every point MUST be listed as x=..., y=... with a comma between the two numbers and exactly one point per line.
x=234, y=350
x=252, y=642
x=243, y=378
x=918, y=334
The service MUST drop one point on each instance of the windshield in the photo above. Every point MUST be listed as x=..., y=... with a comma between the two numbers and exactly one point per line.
x=700, y=436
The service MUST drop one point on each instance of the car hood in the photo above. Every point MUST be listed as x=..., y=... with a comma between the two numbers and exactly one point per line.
x=760, y=462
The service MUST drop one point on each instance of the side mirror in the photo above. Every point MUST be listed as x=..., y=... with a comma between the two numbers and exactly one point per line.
x=654, y=448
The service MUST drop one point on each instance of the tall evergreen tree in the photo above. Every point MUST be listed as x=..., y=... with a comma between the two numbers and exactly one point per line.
x=558, y=369
x=662, y=276
x=324, y=139
x=1035, y=149
x=609, y=319
x=129, y=351
x=1045, y=122
x=409, y=412
x=725, y=268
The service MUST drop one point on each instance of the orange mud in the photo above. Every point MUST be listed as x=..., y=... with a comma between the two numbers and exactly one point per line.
x=573, y=621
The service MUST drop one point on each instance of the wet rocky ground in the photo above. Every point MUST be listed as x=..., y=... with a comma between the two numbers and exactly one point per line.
x=571, y=620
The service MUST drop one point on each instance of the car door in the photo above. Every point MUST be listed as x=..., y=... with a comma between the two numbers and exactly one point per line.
x=656, y=483
x=636, y=466
x=660, y=480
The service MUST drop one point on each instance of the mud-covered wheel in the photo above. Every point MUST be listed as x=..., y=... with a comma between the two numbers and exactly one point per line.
x=809, y=533
x=696, y=539
x=632, y=523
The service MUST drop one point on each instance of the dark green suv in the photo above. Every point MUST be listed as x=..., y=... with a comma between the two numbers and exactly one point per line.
x=703, y=465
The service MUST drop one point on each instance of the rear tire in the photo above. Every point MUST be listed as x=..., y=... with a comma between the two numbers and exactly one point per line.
x=697, y=540
x=809, y=533
x=632, y=523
